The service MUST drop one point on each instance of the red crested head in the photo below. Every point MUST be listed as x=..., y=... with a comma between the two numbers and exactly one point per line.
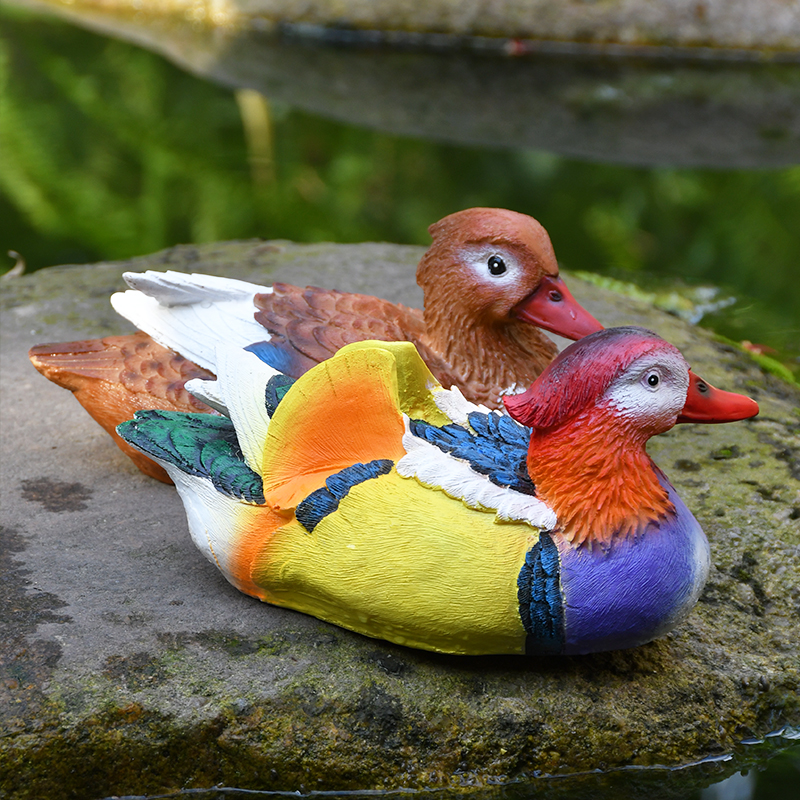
x=591, y=413
x=581, y=374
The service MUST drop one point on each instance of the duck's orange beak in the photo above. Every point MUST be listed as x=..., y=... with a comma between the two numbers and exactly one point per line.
x=706, y=404
x=551, y=306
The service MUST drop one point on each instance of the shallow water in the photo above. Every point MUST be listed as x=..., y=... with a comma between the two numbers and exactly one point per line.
x=110, y=151
x=767, y=770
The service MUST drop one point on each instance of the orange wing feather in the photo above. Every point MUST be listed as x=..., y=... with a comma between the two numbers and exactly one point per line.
x=118, y=375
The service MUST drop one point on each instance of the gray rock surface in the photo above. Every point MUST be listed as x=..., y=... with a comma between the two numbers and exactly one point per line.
x=128, y=664
x=769, y=25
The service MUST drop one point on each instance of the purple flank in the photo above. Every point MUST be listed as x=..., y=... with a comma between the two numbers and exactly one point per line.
x=639, y=589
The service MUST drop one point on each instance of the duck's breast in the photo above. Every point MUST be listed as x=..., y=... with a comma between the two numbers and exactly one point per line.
x=399, y=561
x=637, y=590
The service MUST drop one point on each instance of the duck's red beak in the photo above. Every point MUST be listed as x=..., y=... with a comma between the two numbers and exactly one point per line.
x=706, y=404
x=551, y=306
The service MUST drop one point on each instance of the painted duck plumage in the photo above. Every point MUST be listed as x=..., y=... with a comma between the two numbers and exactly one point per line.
x=490, y=280
x=369, y=496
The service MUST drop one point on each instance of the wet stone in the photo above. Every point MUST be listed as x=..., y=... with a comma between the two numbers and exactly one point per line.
x=56, y=495
x=129, y=666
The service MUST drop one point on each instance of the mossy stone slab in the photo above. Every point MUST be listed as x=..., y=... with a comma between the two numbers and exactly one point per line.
x=129, y=665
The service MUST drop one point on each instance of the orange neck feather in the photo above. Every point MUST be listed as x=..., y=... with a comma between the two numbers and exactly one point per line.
x=595, y=474
x=491, y=352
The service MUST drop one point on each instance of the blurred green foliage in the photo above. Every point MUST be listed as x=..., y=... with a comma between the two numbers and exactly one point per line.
x=108, y=151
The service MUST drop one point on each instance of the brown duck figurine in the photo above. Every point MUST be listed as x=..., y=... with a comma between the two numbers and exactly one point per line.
x=490, y=280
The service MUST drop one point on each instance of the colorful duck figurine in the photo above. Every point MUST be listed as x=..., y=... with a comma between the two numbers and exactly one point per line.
x=367, y=495
x=490, y=279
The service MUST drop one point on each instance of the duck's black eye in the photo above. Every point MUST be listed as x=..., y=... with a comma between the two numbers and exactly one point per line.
x=496, y=265
x=652, y=379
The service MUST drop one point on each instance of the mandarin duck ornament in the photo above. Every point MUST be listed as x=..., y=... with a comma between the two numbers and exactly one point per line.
x=367, y=495
x=490, y=280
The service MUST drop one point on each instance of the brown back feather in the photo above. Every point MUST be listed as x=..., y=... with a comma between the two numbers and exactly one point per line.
x=317, y=322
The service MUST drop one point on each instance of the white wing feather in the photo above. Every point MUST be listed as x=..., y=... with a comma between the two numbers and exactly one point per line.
x=192, y=314
x=455, y=406
x=239, y=392
x=454, y=476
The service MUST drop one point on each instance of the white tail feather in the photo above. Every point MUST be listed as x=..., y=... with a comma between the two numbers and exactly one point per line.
x=178, y=289
x=192, y=314
x=211, y=516
x=241, y=388
x=209, y=393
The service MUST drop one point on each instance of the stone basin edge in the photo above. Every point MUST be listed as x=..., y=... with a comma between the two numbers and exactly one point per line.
x=109, y=688
x=741, y=30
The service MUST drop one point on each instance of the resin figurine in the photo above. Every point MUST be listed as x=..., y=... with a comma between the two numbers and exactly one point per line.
x=367, y=495
x=490, y=280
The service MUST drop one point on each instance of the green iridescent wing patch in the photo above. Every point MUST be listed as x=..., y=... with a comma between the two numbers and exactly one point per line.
x=203, y=445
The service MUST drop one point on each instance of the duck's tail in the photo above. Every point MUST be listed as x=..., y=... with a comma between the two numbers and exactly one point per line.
x=222, y=495
x=115, y=376
x=192, y=314
x=216, y=462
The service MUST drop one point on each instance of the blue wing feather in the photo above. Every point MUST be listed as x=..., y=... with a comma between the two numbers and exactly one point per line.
x=314, y=508
x=498, y=448
x=541, y=606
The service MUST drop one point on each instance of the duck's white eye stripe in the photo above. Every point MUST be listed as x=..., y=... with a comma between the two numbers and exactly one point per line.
x=651, y=388
x=490, y=264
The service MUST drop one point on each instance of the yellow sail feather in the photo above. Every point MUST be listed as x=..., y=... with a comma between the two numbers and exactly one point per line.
x=344, y=411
